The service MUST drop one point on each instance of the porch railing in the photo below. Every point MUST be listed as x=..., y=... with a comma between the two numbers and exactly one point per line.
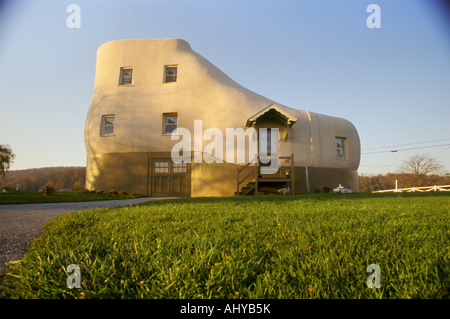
x=251, y=172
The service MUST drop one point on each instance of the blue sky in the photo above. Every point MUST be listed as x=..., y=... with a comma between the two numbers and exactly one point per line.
x=392, y=83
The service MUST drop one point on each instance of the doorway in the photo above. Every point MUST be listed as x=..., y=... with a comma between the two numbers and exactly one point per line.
x=269, y=135
x=169, y=178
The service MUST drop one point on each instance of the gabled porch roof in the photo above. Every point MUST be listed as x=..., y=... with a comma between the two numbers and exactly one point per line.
x=278, y=112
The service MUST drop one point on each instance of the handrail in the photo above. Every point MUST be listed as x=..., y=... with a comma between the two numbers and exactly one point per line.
x=256, y=171
x=243, y=167
x=246, y=176
x=239, y=170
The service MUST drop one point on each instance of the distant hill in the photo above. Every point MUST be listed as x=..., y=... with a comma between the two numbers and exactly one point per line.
x=74, y=177
x=34, y=179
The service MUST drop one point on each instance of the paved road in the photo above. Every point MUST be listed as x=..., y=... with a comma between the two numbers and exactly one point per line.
x=20, y=224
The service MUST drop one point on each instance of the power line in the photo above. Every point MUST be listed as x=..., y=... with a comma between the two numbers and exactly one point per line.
x=405, y=149
x=430, y=141
x=388, y=165
x=438, y=152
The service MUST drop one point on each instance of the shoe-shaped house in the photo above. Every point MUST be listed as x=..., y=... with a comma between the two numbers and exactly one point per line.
x=148, y=91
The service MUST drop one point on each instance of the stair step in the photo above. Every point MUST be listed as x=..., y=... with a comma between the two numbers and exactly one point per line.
x=246, y=190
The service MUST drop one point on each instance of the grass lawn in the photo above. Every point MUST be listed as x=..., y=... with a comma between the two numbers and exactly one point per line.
x=303, y=246
x=25, y=197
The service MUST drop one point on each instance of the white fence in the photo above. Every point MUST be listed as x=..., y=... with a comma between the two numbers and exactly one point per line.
x=435, y=188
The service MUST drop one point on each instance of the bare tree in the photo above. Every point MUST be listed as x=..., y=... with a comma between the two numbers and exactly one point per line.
x=420, y=166
x=6, y=158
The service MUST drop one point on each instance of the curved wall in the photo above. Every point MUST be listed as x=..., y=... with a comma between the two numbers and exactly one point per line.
x=201, y=91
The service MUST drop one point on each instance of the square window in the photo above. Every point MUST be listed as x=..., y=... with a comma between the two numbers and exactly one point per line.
x=126, y=76
x=341, y=148
x=107, y=126
x=179, y=167
x=170, y=73
x=170, y=122
x=161, y=167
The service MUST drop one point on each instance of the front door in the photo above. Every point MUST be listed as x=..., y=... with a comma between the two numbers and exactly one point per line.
x=169, y=178
x=268, y=147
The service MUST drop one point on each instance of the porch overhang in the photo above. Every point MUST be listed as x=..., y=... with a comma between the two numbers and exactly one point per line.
x=274, y=111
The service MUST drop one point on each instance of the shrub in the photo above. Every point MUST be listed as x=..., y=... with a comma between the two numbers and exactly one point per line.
x=123, y=193
x=100, y=191
x=48, y=188
x=85, y=190
x=113, y=192
x=135, y=195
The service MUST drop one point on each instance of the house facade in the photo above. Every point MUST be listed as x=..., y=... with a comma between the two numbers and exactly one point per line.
x=147, y=90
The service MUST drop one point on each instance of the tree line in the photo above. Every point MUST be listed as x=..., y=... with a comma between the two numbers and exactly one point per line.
x=418, y=170
x=73, y=178
x=62, y=178
x=370, y=183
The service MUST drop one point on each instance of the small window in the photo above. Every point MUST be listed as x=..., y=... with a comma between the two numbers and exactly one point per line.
x=126, y=76
x=341, y=148
x=107, y=127
x=179, y=167
x=170, y=122
x=161, y=167
x=170, y=73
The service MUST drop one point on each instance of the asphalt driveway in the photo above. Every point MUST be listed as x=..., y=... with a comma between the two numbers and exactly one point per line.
x=22, y=223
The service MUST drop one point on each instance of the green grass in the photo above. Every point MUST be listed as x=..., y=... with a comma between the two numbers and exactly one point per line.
x=305, y=246
x=25, y=197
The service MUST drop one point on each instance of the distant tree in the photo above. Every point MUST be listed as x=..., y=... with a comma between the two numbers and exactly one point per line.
x=6, y=158
x=77, y=186
x=33, y=179
x=419, y=166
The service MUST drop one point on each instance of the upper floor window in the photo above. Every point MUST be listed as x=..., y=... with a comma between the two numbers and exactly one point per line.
x=170, y=73
x=170, y=122
x=341, y=148
x=107, y=126
x=126, y=76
